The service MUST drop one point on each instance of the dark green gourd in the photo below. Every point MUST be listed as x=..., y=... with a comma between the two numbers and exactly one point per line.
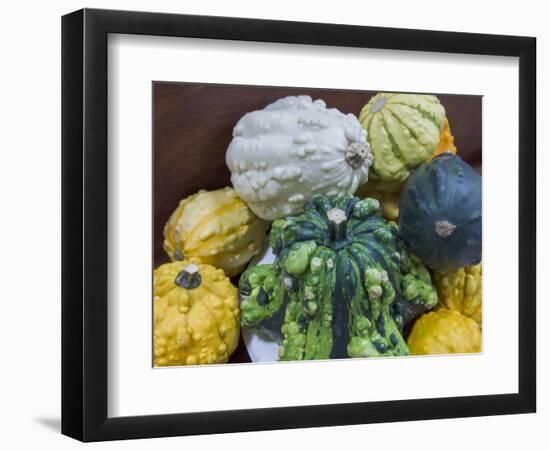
x=440, y=213
x=342, y=284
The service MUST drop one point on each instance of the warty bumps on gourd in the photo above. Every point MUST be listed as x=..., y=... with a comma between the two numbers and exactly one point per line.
x=282, y=155
x=444, y=331
x=461, y=290
x=217, y=228
x=342, y=284
x=196, y=314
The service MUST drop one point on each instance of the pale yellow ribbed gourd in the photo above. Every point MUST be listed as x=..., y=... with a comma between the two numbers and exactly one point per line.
x=404, y=131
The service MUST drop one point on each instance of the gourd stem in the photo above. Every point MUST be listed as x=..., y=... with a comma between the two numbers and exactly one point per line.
x=356, y=153
x=337, y=222
x=444, y=228
x=189, y=277
x=379, y=104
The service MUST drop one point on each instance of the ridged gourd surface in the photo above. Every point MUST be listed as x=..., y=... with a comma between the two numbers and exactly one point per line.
x=440, y=213
x=403, y=131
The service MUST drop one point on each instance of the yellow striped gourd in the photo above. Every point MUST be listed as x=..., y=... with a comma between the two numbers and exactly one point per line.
x=217, y=228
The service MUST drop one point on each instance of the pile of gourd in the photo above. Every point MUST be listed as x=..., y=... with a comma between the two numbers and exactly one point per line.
x=373, y=234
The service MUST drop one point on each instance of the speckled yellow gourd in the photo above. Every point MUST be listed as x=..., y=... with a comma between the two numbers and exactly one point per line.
x=217, y=227
x=196, y=314
x=444, y=332
x=460, y=290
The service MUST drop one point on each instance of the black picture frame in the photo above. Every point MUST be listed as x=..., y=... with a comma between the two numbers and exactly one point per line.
x=84, y=224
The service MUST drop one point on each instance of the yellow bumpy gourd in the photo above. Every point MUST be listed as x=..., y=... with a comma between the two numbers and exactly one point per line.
x=217, y=227
x=444, y=332
x=460, y=290
x=196, y=314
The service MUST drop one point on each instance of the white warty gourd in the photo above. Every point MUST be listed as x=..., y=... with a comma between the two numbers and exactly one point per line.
x=282, y=155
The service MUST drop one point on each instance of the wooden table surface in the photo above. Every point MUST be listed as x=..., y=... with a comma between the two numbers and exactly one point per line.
x=193, y=126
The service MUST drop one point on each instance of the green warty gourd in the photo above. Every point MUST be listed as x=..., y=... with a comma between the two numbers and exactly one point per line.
x=342, y=284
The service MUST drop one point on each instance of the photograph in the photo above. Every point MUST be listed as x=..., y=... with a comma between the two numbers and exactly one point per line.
x=296, y=223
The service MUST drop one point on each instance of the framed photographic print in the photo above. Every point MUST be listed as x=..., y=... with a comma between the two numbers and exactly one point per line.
x=273, y=224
